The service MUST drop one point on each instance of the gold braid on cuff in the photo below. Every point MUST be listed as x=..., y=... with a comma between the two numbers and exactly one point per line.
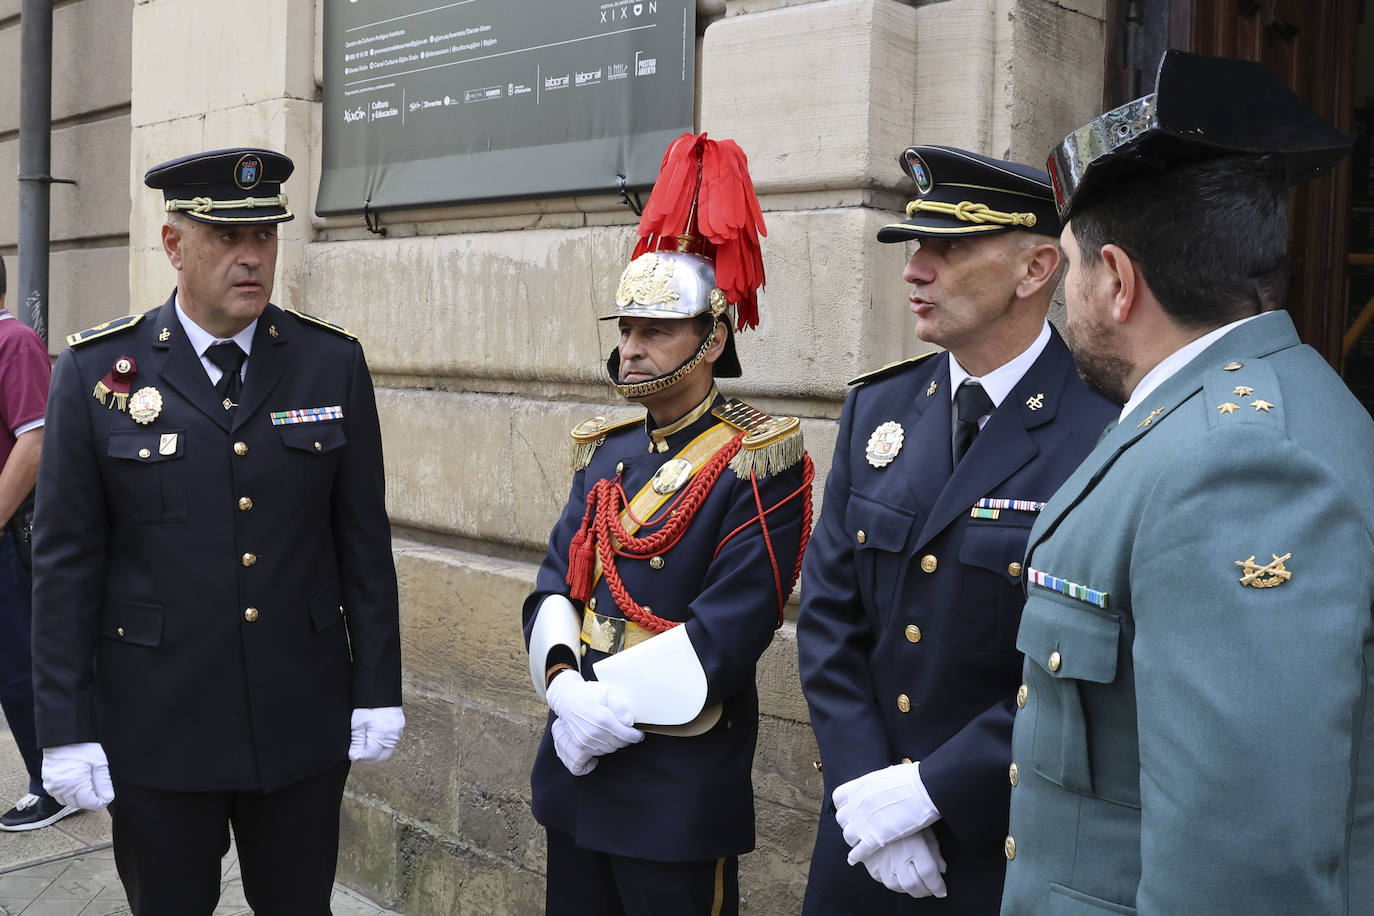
x=664, y=382
x=970, y=212
x=206, y=204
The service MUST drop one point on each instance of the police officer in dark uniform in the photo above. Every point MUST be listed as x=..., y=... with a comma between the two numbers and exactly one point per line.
x=215, y=607
x=664, y=582
x=912, y=588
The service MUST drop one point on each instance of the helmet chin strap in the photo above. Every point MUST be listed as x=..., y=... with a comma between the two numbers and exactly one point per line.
x=636, y=390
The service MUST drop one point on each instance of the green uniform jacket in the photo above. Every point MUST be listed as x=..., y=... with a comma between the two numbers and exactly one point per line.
x=1187, y=743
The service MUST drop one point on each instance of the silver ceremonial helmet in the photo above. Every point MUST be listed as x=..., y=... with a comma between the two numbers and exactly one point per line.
x=673, y=285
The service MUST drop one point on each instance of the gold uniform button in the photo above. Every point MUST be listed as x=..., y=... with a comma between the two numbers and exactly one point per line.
x=119, y=632
x=591, y=604
x=619, y=468
x=913, y=633
x=1015, y=774
x=928, y=562
x=240, y=448
x=318, y=447
x=144, y=453
x=906, y=760
x=818, y=765
x=1056, y=660
x=656, y=562
x=1013, y=569
x=1232, y=367
x=249, y=559
x=245, y=503
x=903, y=702
x=584, y=648
x=861, y=536
x=1021, y=694
x=1010, y=847
x=251, y=614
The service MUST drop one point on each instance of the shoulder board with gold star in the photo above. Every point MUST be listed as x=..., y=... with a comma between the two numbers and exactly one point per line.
x=590, y=433
x=320, y=322
x=771, y=444
x=890, y=369
x=104, y=329
x=1243, y=392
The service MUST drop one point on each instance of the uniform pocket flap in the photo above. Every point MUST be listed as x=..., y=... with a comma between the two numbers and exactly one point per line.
x=998, y=548
x=132, y=622
x=326, y=606
x=1068, y=638
x=875, y=526
x=1065, y=901
x=313, y=437
x=146, y=445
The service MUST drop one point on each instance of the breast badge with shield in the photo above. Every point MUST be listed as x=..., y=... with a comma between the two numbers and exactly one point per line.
x=884, y=444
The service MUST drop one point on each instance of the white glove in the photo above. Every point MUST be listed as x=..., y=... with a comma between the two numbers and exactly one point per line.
x=78, y=774
x=911, y=865
x=375, y=733
x=883, y=806
x=596, y=720
x=577, y=759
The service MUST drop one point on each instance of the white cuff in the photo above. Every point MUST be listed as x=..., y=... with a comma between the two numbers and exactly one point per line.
x=556, y=623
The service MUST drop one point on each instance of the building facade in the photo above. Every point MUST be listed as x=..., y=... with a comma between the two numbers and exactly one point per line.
x=479, y=325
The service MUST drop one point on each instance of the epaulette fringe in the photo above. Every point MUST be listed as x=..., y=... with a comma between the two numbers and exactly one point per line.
x=589, y=434
x=771, y=444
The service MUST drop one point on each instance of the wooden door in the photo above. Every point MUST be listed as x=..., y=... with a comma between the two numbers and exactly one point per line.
x=1311, y=45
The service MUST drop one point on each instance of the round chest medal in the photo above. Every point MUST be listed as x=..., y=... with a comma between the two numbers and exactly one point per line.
x=884, y=444
x=145, y=404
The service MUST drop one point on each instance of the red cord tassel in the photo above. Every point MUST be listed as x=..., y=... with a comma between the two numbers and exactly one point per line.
x=579, y=576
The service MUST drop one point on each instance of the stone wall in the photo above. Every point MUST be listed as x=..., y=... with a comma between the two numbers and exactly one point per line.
x=89, y=262
x=479, y=325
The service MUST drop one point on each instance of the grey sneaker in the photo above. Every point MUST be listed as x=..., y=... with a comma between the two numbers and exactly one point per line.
x=34, y=811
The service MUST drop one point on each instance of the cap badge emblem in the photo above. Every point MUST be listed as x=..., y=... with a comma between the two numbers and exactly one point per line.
x=248, y=172
x=920, y=172
x=884, y=444
x=1265, y=575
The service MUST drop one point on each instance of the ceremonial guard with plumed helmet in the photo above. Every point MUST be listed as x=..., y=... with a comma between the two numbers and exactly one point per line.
x=667, y=573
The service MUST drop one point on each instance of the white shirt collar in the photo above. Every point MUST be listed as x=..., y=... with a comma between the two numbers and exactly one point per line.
x=5, y=313
x=1175, y=361
x=201, y=339
x=1000, y=381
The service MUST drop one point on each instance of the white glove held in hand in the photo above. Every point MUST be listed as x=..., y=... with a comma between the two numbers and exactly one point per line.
x=375, y=733
x=596, y=720
x=883, y=806
x=78, y=774
x=911, y=865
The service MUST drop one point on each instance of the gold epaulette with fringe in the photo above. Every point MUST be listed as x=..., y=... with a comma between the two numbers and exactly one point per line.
x=104, y=329
x=771, y=444
x=590, y=433
x=320, y=322
x=890, y=369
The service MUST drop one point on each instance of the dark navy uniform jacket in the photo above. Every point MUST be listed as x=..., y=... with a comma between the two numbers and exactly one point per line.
x=907, y=634
x=676, y=799
x=212, y=600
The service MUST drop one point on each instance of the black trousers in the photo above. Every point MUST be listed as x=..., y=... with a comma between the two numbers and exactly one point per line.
x=169, y=846
x=586, y=883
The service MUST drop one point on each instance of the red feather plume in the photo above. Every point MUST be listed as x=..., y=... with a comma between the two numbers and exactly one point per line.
x=704, y=190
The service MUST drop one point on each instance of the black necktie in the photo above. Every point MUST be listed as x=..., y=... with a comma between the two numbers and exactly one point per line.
x=971, y=402
x=229, y=357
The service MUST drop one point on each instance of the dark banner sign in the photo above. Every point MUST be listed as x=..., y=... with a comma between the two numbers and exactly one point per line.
x=429, y=103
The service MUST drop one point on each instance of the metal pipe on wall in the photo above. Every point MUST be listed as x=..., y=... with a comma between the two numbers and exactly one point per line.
x=29, y=297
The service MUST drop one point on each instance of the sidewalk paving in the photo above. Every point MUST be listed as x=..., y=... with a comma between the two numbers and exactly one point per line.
x=68, y=869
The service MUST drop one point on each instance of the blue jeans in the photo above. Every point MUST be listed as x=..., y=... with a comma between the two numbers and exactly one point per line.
x=16, y=675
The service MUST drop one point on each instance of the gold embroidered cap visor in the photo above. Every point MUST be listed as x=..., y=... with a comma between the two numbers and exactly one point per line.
x=1202, y=108
x=228, y=186
x=959, y=193
x=672, y=285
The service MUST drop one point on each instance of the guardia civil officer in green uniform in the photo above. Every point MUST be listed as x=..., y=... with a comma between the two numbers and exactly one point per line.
x=1196, y=721
x=215, y=613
